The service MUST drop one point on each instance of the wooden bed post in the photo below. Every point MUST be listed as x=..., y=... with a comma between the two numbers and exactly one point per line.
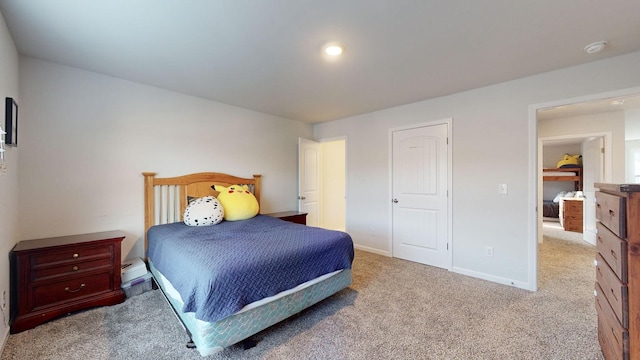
x=149, y=206
x=257, y=188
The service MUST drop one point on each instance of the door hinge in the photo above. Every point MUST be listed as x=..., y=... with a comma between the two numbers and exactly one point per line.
x=447, y=246
x=602, y=150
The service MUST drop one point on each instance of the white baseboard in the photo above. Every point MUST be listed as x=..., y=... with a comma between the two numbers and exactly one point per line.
x=5, y=337
x=372, y=250
x=492, y=278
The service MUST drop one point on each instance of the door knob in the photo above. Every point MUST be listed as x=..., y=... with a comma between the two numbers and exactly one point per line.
x=395, y=201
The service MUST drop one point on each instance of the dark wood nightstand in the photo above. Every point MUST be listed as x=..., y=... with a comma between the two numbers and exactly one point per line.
x=55, y=276
x=291, y=216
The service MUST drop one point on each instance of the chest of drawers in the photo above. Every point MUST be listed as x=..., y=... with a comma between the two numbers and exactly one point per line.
x=55, y=276
x=572, y=215
x=617, y=288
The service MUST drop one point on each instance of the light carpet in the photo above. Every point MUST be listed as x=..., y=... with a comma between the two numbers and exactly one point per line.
x=395, y=309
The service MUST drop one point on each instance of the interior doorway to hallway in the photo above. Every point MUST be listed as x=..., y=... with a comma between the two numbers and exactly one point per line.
x=322, y=182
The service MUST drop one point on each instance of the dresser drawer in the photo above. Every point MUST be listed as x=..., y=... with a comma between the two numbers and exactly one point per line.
x=611, y=334
x=610, y=210
x=80, y=253
x=613, y=290
x=613, y=250
x=72, y=268
x=573, y=225
x=573, y=207
x=62, y=291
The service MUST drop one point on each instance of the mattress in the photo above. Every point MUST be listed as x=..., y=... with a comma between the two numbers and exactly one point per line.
x=559, y=173
x=212, y=337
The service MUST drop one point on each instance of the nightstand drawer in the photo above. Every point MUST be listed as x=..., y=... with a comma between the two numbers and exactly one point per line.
x=85, y=252
x=611, y=211
x=614, y=290
x=610, y=333
x=613, y=250
x=74, y=268
x=81, y=286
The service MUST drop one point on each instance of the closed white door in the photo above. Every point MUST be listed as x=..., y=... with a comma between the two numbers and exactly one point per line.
x=420, y=191
x=592, y=172
x=309, y=179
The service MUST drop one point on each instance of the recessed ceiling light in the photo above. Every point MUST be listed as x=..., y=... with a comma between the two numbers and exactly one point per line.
x=595, y=47
x=334, y=49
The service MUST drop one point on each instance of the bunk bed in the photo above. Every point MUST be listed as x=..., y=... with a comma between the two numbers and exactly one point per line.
x=551, y=208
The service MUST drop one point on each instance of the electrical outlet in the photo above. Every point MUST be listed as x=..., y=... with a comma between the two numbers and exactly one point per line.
x=372, y=232
x=503, y=189
x=488, y=251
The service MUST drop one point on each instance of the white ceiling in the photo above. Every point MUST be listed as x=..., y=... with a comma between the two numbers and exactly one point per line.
x=265, y=55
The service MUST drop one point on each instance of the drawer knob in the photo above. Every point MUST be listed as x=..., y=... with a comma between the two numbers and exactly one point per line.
x=76, y=290
x=611, y=213
x=75, y=256
x=75, y=268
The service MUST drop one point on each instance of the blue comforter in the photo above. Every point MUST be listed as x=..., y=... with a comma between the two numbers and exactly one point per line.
x=221, y=268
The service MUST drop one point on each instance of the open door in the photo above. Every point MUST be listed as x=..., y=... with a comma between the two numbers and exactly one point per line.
x=309, y=179
x=592, y=172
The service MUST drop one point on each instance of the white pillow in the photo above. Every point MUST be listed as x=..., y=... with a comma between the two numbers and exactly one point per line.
x=559, y=196
x=204, y=211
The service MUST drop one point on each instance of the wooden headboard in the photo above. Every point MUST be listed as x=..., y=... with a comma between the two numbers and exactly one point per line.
x=165, y=199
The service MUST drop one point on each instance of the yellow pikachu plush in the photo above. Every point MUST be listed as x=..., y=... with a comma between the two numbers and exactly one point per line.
x=238, y=202
x=569, y=161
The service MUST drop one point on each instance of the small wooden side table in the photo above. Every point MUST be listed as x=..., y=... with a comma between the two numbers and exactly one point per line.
x=291, y=216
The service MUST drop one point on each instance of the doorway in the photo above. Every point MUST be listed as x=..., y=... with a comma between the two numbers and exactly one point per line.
x=322, y=182
x=592, y=104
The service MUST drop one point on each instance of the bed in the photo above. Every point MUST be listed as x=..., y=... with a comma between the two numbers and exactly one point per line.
x=234, y=302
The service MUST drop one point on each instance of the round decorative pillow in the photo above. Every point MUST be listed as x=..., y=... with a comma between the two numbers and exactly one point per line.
x=203, y=211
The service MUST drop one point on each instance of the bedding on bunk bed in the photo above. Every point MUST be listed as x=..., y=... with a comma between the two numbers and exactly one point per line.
x=550, y=208
x=219, y=269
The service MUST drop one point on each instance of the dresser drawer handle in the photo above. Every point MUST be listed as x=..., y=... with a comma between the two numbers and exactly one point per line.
x=612, y=213
x=75, y=268
x=75, y=256
x=614, y=295
x=615, y=336
x=73, y=291
x=613, y=253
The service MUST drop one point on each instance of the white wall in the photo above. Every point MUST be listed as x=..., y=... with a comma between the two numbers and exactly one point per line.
x=491, y=145
x=86, y=138
x=333, y=184
x=632, y=124
x=8, y=179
